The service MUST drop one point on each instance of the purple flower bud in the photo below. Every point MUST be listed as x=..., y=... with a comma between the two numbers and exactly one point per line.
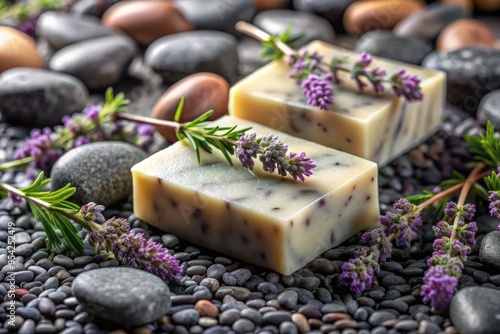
x=406, y=85
x=403, y=206
x=318, y=91
x=451, y=209
x=438, y=288
x=92, y=113
x=364, y=60
x=247, y=150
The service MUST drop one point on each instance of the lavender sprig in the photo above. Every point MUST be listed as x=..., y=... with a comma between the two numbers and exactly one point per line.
x=93, y=124
x=56, y=213
x=229, y=140
x=317, y=77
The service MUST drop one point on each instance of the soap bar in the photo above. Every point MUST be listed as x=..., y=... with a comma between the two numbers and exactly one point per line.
x=257, y=217
x=377, y=128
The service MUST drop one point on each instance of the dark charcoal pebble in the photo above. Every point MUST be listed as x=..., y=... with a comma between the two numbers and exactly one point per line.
x=312, y=26
x=288, y=299
x=98, y=63
x=391, y=280
x=489, y=253
x=428, y=23
x=179, y=55
x=220, y=15
x=61, y=29
x=472, y=73
x=489, y=109
x=276, y=318
x=385, y=44
x=476, y=310
x=38, y=97
x=378, y=317
x=428, y=327
x=188, y=317
x=123, y=295
x=243, y=326
x=333, y=11
x=111, y=184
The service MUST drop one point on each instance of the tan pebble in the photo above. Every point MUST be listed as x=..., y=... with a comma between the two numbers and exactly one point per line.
x=17, y=50
x=467, y=4
x=273, y=303
x=271, y=4
x=146, y=21
x=206, y=308
x=345, y=323
x=201, y=92
x=363, y=16
x=488, y=5
x=62, y=275
x=463, y=33
x=332, y=317
x=301, y=322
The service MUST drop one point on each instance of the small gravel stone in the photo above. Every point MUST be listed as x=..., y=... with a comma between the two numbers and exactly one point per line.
x=243, y=326
x=170, y=240
x=216, y=271
x=288, y=299
x=378, y=317
x=235, y=291
x=276, y=318
x=406, y=325
x=228, y=317
x=186, y=317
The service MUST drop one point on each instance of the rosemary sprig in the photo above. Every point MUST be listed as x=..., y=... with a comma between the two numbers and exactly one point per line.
x=52, y=209
x=485, y=147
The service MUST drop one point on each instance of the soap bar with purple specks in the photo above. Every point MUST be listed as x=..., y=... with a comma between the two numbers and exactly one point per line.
x=260, y=218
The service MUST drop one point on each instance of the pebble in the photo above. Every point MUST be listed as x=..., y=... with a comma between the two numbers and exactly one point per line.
x=114, y=180
x=385, y=44
x=428, y=23
x=146, y=21
x=25, y=92
x=206, y=308
x=187, y=317
x=288, y=299
x=472, y=73
x=476, y=310
x=61, y=29
x=276, y=317
x=243, y=326
x=301, y=322
x=216, y=271
x=228, y=317
x=123, y=295
x=177, y=56
x=98, y=63
x=28, y=326
x=312, y=26
x=288, y=327
x=221, y=15
x=17, y=50
x=170, y=240
x=46, y=306
x=378, y=317
x=489, y=252
x=201, y=91
x=333, y=11
x=237, y=292
x=363, y=16
x=463, y=33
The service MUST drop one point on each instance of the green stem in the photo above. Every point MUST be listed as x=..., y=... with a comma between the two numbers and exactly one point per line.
x=17, y=192
x=149, y=120
x=15, y=163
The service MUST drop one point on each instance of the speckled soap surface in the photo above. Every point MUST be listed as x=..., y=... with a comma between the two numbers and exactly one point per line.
x=261, y=218
x=378, y=128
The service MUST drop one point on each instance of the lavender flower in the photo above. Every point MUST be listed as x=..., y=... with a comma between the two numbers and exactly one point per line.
x=40, y=146
x=439, y=287
x=304, y=64
x=494, y=205
x=28, y=26
x=377, y=239
x=403, y=224
x=272, y=153
x=318, y=90
x=357, y=273
x=92, y=212
x=364, y=60
x=376, y=76
x=134, y=249
x=406, y=85
x=15, y=198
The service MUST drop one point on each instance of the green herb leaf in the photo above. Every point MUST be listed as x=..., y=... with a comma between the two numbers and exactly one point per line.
x=485, y=148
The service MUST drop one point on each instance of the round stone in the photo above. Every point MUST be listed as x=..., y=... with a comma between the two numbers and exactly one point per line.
x=202, y=92
x=187, y=317
x=428, y=23
x=489, y=109
x=363, y=16
x=99, y=171
x=126, y=296
x=61, y=29
x=476, y=310
x=463, y=33
x=38, y=97
x=146, y=21
x=489, y=252
x=471, y=73
x=206, y=308
x=217, y=15
x=332, y=10
x=98, y=63
x=177, y=56
x=312, y=26
x=17, y=50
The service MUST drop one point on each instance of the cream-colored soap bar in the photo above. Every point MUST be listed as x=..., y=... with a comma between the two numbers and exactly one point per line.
x=373, y=127
x=264, y=219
